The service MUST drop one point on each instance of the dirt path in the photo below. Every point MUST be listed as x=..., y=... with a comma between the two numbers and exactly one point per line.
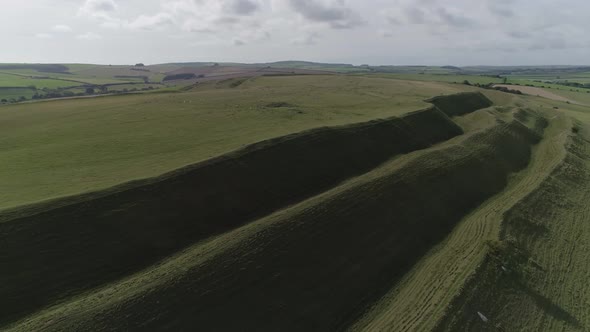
x=540, y=92
x=424, y=294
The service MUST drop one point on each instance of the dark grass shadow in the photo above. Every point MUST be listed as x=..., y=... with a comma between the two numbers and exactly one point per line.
x=550, y=307
x=530, y=228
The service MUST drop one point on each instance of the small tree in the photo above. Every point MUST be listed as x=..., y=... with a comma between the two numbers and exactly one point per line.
x=139, y=65
x=466, y=82
x=3, y=101
x=22, y=98
x=90, y=91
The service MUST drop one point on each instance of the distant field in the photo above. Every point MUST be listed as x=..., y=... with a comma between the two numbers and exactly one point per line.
x=450, y=78
x=536, y=91
x=8, y=80
x=15, y=93
x=104, y=141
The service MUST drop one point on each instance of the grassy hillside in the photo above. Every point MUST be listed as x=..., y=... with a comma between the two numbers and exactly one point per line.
x=333, y=148
x=105, y=141
x=533, y=275
x=309, y=203
x=256, y=181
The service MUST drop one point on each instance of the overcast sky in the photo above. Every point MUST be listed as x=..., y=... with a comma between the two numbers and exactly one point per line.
x=437, y=32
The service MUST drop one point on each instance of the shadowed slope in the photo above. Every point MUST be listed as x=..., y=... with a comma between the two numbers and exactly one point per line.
x=94, y=239
x=319, y=264
x=462, y=103
x=534, y=277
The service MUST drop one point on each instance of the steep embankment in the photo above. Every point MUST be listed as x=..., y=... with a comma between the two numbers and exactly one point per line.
x=319, y=264
x=424, y=295
x=535, y=277
x=57, y=251
x=461, y=103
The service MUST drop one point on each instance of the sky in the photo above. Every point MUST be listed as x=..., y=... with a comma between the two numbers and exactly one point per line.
x=375, y=32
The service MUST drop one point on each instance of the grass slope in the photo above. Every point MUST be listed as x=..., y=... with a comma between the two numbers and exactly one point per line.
x=533, y=277
x=102, y=142
x=138, y=226
x=378, y=216
x=417, y=243
x=424, y=295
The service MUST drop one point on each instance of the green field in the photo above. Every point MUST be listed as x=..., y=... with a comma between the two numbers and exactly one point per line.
x=449, y=78
x=399, y=200
x=75, y=79
x=104, y=141
x=10, y=80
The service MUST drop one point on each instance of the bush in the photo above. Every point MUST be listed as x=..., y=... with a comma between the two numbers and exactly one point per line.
x=90, y=91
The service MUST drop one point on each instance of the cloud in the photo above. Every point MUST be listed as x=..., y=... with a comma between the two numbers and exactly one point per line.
x=386, y=34
x=517, y=34
x=334, y=13
x=308, y=38
x=454, y=20
x=61, y=28
x=98, y=8
x=89, y=36
x=241, y=7
x=419, y=31
x=43, y=36
x=415, y=15
x=430, y=13
x=145, y=22
x=500, y=8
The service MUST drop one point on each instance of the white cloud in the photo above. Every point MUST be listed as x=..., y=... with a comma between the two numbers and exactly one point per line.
x=373, y=31
x=308, y=38
x=103, y=9
x=43, y=35
x=61, y=28
x=89, y=36
x=334, y=13
x=152, y=22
